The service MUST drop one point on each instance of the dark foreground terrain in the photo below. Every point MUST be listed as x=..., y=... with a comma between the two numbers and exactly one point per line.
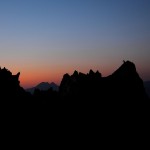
x=124, y=87
x=89, y=103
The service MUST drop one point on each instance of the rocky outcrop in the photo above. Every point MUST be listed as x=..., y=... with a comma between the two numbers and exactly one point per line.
x=123, y=86
x=10, y=88
x=79, y=84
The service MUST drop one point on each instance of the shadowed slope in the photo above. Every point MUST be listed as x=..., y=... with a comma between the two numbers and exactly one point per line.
x=122, y=86
x=86, y=104
x=10, y=88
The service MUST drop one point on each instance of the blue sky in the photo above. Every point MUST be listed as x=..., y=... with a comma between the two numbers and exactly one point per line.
x=46, y=38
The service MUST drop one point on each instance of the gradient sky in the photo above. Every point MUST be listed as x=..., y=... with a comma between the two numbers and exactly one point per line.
x=44, y=39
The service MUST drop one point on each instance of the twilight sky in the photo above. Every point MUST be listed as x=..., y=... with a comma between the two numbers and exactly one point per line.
x=44, y=39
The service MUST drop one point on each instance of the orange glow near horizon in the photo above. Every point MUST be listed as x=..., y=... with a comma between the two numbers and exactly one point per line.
x=45, y=40
x=34, y=77
x=31, y=76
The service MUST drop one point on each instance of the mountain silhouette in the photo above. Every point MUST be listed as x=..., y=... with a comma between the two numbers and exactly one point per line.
x=89, y=98
x=124, y=86
x=85, y=103
x=10, y=88
x=117, y=102
x=44, y=86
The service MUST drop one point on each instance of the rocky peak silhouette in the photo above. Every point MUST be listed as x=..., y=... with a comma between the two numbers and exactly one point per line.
x=124, y=84
x=91, y=72
x=9, y=84
x=98, y=73
x=75, y=74
x=126, y=70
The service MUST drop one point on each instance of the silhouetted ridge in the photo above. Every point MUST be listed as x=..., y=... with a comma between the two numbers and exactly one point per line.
x=89, y=101
x=79, y=84
x=43, y=86
x=127, y=70
x=127, y=82
x=10, y=85
x=75, y=74
x=124, y=85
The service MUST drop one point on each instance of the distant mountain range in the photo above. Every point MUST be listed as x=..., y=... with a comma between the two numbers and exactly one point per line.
x=123, y=87
x=147, y=87
x=44, y=86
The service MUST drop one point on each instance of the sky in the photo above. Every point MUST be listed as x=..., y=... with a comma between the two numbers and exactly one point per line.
x=44, y=39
